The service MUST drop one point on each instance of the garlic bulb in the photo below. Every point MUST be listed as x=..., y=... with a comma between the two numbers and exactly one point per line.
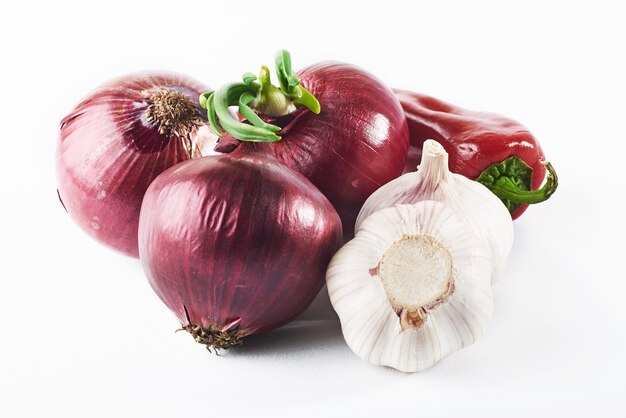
x=483, y=211
x=412, y=287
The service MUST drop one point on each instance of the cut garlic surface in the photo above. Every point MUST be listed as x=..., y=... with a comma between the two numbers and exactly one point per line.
x=485, y=214
x=412, y=287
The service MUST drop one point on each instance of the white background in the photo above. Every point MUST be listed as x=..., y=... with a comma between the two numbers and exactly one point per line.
x=82, y=334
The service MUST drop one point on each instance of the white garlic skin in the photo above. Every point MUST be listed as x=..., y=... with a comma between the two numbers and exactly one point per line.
x=370, y=325
x=484, y=212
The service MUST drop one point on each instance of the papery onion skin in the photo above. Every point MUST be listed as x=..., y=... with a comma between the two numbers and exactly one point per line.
x=357, y=143
x=236, y=244
x=108, y=153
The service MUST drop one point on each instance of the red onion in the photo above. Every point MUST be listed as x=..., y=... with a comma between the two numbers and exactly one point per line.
x=235, y=244
x=357, y=143
x=116, y=141
x=336, y=124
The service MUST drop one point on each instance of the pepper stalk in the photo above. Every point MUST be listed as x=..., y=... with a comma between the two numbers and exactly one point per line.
x=511, y=181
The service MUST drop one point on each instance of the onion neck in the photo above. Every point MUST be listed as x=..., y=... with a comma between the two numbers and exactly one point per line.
x=271, y=100
x=257, y=95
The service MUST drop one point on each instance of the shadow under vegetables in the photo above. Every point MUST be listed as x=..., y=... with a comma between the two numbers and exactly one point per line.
x=317, y=327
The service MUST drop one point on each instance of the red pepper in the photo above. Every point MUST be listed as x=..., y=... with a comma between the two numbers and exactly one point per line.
x=494, y=150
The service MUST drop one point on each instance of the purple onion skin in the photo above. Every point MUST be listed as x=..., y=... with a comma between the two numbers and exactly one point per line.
x=236, y=242
x=357, y=143
x=108, y=154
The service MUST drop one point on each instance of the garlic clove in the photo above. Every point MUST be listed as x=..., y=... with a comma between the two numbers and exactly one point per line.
x=412, y=287
x=483, y=211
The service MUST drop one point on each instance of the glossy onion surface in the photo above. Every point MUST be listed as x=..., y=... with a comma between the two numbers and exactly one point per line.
x=236, y=243
x=108, y=153
x=356, y=144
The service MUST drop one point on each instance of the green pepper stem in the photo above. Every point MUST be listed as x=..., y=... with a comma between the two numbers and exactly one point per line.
x=258, y=95
x=505, y=188
x=511, y=181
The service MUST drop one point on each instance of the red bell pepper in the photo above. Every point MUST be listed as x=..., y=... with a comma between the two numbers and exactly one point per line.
x=494, y=150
